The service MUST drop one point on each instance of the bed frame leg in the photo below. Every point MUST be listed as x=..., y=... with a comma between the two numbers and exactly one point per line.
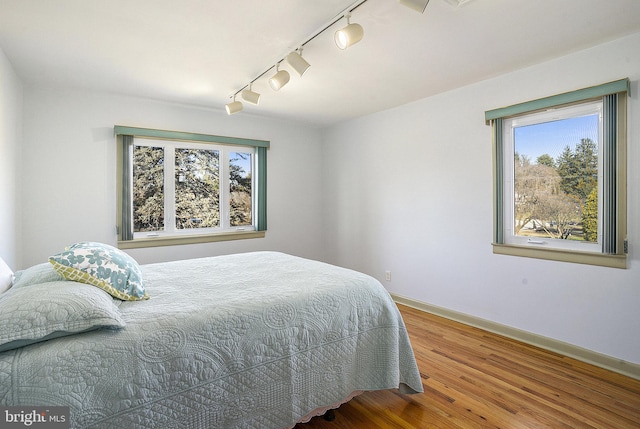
x=330, y=415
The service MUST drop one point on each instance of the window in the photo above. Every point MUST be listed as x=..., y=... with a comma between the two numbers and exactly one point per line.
x=185, y=188
x=560, y=173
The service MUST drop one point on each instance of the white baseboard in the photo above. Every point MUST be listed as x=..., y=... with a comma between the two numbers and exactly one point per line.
x=565, y=349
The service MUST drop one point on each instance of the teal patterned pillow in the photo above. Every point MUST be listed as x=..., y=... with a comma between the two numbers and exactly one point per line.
x=102, y=266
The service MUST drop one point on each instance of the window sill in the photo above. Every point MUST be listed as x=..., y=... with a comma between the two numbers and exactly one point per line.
x=188, y=239
x=611, y=261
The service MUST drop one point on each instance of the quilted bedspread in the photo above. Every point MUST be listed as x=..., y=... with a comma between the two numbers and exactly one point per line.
x=255, y=340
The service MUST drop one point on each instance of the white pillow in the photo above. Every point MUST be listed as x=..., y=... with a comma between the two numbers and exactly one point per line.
x=50, y=310
x=6, y=276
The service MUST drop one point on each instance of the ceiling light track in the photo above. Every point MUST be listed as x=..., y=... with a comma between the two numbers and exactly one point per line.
x=344, y=38
x=281, y=77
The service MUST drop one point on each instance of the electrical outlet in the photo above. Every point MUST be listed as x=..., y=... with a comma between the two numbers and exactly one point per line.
x=387, y=276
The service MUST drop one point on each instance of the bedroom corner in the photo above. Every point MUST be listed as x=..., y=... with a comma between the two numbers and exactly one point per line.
x=11, y=95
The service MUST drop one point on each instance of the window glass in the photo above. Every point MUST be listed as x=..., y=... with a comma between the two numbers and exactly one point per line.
x=555, y=169
x=240, y=182
x=197, y=188
x=191, y=188
x=148, y=188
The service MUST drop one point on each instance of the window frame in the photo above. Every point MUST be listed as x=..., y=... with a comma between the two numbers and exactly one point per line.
x=590, y=107
x=125, y=136
x=224, y=151
x=613, y=252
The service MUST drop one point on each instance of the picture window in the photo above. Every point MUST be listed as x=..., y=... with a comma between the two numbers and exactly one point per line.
x=179, y=188
x=560, y=176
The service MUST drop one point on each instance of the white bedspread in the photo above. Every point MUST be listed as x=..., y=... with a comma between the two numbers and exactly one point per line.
x=255, y=340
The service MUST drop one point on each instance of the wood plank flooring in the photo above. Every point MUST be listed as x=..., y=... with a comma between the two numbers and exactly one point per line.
x=475, y=379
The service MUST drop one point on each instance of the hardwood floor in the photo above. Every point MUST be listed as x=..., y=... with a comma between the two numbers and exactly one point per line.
x=475, y=379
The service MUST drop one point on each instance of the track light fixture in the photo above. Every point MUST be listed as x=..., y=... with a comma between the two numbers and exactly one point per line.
x=299, y=64
x=345, y=37
x=279, y=79
x=233, y=107
x=417, y=5
x=349, y=35
x=250, y=96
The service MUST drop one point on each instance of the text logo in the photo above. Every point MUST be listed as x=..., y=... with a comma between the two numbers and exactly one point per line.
x=34, y=417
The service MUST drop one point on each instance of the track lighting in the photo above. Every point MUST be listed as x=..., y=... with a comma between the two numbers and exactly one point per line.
x=417, y=5
x=345, y=37
x=299, y=64
x=279, y=79
x=233, y=107
x=349, y=35
x=250, y=96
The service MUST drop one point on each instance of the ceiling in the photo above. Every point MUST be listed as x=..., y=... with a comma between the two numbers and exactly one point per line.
x=200, y=52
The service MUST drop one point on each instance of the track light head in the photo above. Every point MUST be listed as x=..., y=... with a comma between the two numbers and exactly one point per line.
x=417, y=5
x=299, y=64
x=349, y=35
x=250, y=96
x=279, y=79
x=233, y=107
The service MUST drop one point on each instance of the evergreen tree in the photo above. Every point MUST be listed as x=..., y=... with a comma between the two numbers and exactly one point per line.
x=148, y=188
x=546, y=160
x=240, y=189
x=197, y=188
x=579, y=170
x=590, y=217
x=566, y=168
x=586, y=160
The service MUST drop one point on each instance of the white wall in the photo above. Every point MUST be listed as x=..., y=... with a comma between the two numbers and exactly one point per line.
x=10, y=139
x=406, y=190
x=410, y=190
x=69, y=173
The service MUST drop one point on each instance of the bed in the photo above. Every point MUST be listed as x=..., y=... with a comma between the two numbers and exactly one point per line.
x=251, y=340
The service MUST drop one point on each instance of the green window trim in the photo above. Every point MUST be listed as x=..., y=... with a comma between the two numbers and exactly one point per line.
x=498, y=187
x=614, y=95
x=615, y=87
x=188, y=239
x=124, y=136
x=261, y=154
x=121, y=130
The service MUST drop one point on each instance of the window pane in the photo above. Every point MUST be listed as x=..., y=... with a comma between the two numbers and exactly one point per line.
x=148, y=188
x=197, y=188
x=240, y=189
x=556, y=179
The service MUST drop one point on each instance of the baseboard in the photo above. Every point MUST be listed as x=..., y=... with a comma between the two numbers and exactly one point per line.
x=594, y=358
